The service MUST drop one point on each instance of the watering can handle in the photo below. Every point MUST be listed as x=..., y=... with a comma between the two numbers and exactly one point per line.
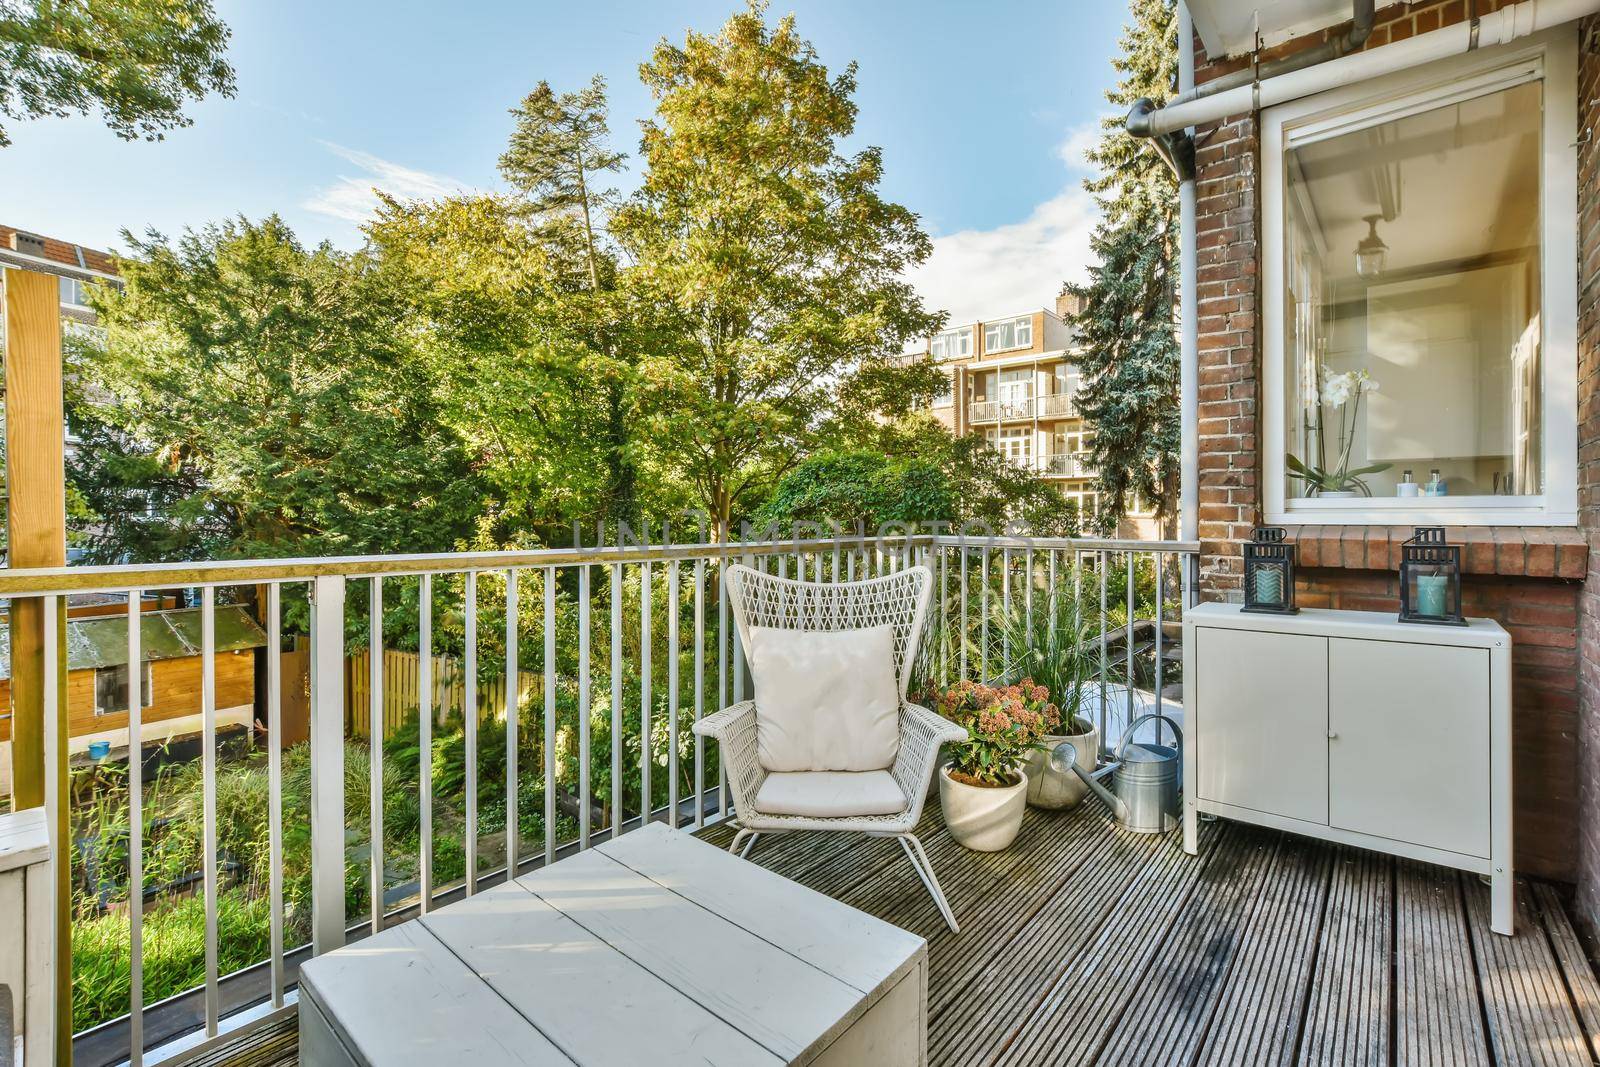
x=1128, y=735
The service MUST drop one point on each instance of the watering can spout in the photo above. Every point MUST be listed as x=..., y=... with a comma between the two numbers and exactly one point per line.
x=1065, y=756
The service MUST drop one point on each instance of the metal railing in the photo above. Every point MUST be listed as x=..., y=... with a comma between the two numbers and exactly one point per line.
x=610, y=734
x=1048, y=406
x=1058, y=406
x=1067, y=465
x=1000, y=410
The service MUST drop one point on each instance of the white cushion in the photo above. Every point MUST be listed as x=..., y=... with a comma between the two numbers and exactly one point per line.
x=830, y=794
x=825, y=700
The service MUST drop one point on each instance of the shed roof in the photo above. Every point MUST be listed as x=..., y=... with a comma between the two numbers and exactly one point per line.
x=172, y=634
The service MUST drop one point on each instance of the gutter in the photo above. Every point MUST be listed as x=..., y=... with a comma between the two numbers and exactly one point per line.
x=1325, y=67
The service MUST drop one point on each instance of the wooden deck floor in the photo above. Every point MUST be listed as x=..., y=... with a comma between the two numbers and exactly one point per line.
x=1082, y=945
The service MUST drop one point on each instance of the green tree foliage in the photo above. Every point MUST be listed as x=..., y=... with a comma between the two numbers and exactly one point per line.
x=275, y=374
x=559, y=151
x=779, y=265
x=136, y=61
x=1130, y=360
x=858, y=487
x=505, y=343
x=919, y=472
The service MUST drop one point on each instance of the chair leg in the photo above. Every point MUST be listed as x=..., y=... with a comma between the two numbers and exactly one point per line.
x=747, y=836
x=924, y=869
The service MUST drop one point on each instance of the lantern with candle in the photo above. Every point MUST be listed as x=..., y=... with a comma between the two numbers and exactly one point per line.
x=1430, y=579
x=1269, y=572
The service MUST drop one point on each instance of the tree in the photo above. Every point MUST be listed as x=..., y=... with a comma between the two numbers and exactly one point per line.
x=137, y=61
x=510, y=349
x=916, y=471
x=779, y=267
x=275, y=375
x=559, y=150
x=1130, y=360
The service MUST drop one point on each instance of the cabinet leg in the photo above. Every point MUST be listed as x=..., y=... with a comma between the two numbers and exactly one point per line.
x=1503, y=903
x=1191, y=831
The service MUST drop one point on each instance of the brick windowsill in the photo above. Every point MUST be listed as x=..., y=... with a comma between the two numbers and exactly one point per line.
x=1515, y=551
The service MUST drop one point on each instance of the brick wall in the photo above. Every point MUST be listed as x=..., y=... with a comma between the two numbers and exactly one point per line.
x=1588, y=862
x=1533, y=581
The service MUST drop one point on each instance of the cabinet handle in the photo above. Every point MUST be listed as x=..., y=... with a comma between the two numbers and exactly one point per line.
x=1332, y=736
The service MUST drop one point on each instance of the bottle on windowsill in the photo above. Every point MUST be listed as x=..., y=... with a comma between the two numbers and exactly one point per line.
x=1436, y=485
x=1408, y=486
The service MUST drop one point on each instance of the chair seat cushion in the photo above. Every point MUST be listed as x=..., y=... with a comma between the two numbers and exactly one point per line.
x=830, y=794
x=826, y=700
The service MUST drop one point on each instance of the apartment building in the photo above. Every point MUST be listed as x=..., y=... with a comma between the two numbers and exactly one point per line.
x=1013, y=379
x=75, y=266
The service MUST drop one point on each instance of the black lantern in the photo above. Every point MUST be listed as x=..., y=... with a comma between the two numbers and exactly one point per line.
x=1430, y=579
x=1269, y=572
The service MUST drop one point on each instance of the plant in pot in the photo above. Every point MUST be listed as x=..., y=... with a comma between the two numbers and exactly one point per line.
x=1055, y=643
x=1336, y=478
x=983, y=789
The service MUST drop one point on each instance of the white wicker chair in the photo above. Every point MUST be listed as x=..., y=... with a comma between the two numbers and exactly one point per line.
x=899, y=600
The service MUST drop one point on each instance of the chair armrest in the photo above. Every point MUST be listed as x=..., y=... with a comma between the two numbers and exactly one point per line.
x=922, y=732
x=734, y=730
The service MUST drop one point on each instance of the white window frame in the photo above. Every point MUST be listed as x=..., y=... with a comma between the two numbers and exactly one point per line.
x=1551, y=57
x=951, y=344
x=947, y=398
x=1018, y=324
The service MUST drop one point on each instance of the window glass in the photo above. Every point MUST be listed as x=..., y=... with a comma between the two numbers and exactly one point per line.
x=942, y=397
x=111, y=689
x=1412, y=304
x=1009, y=333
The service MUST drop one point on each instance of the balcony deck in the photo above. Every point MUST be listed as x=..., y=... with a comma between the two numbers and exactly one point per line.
x=1080, y=944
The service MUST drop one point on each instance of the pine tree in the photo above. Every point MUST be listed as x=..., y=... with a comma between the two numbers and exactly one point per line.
x=1130, y=361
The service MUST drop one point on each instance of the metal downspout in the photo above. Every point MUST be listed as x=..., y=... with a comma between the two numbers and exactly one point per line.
x=1188, y=325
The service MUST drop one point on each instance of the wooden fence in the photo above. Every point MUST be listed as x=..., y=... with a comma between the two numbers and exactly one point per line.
x=400, y=692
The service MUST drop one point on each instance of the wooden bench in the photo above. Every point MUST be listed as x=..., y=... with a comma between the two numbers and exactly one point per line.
x=655, y=948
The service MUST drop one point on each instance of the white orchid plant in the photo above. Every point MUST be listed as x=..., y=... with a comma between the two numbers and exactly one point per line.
x=1342, y=393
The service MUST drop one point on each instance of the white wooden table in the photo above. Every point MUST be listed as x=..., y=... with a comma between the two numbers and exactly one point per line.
x=656, y=948
x=27, y=930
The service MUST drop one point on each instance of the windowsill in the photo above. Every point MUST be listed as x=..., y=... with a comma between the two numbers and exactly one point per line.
x=1003, y=351
x=1505, y=551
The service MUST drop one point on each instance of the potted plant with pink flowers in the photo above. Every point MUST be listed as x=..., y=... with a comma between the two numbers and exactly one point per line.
x=983, y=788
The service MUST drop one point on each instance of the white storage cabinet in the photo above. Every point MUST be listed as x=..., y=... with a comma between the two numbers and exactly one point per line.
x=1354, y=727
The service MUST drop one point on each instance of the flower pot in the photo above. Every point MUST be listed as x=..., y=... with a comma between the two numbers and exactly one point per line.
x=1057, y=790
x=1341, y=494
x=983, y=818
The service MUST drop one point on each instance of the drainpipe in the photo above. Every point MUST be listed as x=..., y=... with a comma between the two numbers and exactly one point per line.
x=1188, y=324
x=1141, y=122
x=1267, y=84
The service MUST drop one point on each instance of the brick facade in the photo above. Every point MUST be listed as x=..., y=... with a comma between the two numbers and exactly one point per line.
x=1539, y=583
x=1588, y=829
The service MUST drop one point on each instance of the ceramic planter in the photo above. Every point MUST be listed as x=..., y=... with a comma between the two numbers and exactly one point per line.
x=983, y=818
x=1056, y=790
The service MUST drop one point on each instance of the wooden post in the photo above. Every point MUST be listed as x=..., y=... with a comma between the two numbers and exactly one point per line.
x=36, y=531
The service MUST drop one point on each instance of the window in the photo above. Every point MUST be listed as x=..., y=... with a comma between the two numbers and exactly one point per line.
x=74, y=293
x=1421, y=295
x=111, y=689
x=945, y=391
x=951, y=344
x=1016, y=444
x=1008, y=334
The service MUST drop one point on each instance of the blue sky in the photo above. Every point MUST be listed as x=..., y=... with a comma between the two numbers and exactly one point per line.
x=981, y=109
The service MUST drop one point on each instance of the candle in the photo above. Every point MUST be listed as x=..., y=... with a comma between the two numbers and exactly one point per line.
x=1269, y=587
x=1430, y=594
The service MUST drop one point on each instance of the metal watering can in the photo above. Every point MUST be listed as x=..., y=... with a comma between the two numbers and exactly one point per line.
x=1146, y=780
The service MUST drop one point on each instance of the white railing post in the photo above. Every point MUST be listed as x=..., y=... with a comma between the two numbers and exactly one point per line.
x=327, y=764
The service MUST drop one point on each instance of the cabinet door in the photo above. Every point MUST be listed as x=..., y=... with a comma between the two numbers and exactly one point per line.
x=1408, y=758
x=1261, y=728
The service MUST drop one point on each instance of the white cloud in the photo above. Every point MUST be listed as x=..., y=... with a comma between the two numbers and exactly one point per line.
x=351, y=198
x=975, y=274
